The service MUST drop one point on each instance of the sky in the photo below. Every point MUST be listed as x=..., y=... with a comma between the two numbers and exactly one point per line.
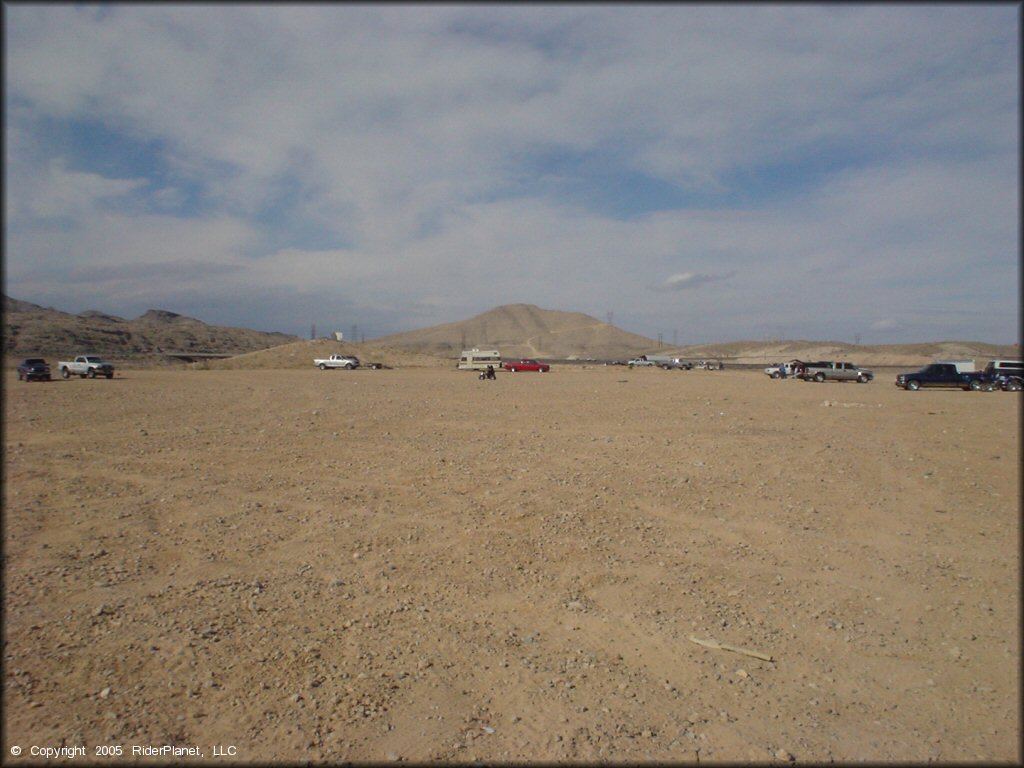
x=695, y=173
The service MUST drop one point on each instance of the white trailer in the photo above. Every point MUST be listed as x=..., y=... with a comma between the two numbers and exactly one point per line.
x=962, y=366
x=478, y=359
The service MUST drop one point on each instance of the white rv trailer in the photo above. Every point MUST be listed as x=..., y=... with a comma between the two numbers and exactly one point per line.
x=962, y=366
x=478, y=359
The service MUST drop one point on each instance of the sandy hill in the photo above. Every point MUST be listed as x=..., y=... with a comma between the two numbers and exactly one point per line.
x=524, y=330
x=30, y=329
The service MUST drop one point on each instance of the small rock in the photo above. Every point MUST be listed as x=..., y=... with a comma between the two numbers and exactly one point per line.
x=781, y=754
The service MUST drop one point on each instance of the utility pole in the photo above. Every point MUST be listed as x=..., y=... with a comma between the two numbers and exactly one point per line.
x=312, y=332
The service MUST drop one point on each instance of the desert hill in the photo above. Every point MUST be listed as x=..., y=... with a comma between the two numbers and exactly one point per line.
x=517, y=330
x=524, y=330
x=30, y=329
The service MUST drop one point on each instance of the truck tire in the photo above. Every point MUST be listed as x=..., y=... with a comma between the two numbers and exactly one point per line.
x=323, y=367
x=975, y=385
x=819, y=377
x=91, y=373
x=110, y=375
x=349, y=366
x=776, y=375
x=913, y=385
x=65, y=373
x=863, y=379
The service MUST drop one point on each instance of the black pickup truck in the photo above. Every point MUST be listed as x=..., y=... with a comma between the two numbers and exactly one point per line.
x=944, y=375
x=33, y=368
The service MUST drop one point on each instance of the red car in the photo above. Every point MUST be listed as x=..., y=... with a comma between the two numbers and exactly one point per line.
x=526, y=365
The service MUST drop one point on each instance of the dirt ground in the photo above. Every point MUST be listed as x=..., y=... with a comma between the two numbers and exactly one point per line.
x=415, y=565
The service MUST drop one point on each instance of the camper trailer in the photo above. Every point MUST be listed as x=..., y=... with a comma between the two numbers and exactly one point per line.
x=962, y=366
x=478, y=359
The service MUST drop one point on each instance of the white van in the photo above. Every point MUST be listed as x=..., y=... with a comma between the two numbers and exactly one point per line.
x=478, y=359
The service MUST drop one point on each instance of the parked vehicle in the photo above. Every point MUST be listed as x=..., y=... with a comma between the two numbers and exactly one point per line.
x=478, y=359
x=668, y=362
x=639, y=361
x=348, y=362
x=1009, y=383
x=944, y=375
x=85, y=366
x=996, y=368
x=711, y=365
x=674, y=364
x=526, y=364
x=33, y=369
x=784, y=370
x=827, y=370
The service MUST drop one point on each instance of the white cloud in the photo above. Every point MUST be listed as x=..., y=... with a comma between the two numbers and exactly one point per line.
x=59, y=193
x=414, y=157
x=886, y=325
x=682, y=281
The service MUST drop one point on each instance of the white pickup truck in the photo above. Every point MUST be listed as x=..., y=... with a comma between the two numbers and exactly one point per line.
x=86, y=366
x=348, y=362
x=783, y=370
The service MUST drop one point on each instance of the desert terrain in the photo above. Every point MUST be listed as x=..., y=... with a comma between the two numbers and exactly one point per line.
x=412, y=565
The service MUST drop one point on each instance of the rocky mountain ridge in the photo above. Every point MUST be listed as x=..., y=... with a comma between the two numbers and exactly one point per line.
x=30, y=329
x=517, y=330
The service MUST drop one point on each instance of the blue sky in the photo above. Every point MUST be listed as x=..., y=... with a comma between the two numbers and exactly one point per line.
x=703, y=172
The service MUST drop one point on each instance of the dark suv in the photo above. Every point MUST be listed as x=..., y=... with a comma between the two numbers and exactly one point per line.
x=33, y=368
